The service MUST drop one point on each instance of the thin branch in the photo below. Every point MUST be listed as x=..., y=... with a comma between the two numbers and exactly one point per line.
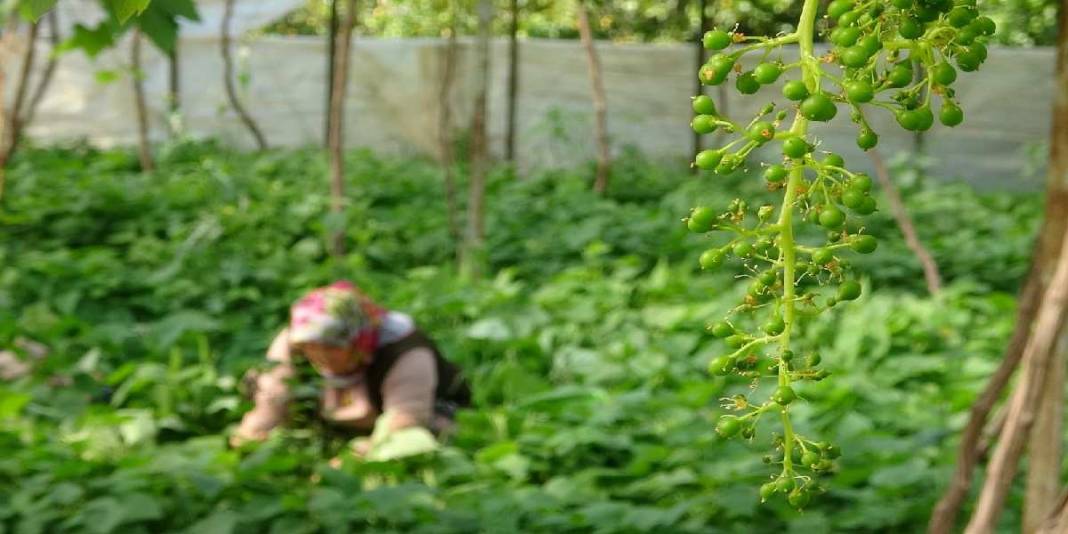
x=448, y=75
x=144, y=152
x=228, y=78
x=15, y=122
x=49, y=70
x=513, y=81
x=901, y=215
x=599, y=105
x=337, y=121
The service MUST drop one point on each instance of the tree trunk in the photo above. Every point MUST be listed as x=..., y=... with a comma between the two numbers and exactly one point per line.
x=904, y=222
x=49, y=70
x=513, y=82
x=448, y=75
x=1046, y=250
x=228, y=78
x=339, y=84
x=174, y=91
x=599, y=107
x=1045, y=449
x=1024, y=402
x=331, y=50
x=699, y=59
x=144, y=150
x=472, y=253
x=11, y=119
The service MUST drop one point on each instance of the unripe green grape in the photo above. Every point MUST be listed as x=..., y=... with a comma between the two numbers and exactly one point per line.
x=774, y=326
x=864, y=244
x=818, y=107
x=834, y=160
x=854, y=57
x=775, y=173
x=728, y=426
x=867, y=139
x=742, y=249
x=848, y=290
x=728, y=164
x=837, y=8
x=717, y=40
x=747, y=83
x=795, y=147
x=767, y=73
x=950, y=114
x=703, y=124
x=899, y=75
x=867, y=208
x=708, y=159
x=960, y=16
x=722, y=329
x=795, y=90
x=943, y=73
x=704, y=105
x=710, y=259
x=809, y=458
x=871, y=43
x=721, y=365
x=784, y=395
x=859, y=91
x=845, y=36
x=823, y=256
x=701, y=219
x=831, y=217
x=860, y=182
x=761, y=132
x=852, y=198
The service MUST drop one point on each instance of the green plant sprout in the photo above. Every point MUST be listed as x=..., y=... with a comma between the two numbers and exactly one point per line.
x=895, y=55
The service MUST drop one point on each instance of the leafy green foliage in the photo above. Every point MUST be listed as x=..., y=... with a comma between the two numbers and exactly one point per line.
x=593, y=413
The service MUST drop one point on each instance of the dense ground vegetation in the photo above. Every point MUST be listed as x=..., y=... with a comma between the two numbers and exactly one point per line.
x=594, y=410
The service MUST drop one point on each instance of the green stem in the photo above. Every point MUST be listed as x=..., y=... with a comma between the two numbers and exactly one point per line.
x=805, y=33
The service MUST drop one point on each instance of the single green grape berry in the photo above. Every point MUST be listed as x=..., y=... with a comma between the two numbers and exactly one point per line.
x=980, y=50
x=837, y=8
x=701, y=219
x=813, y=359
x=717, y=69
x=742, y=249
x=831, y=217
x=871, y=43
x=784, y=484
x=867, y=208
x=860, y=182
x=986, y=25
x=704, y=105
x=703, y=124
x=859, y=91
x=756, y=289
x=766, y=491
x=721, y=365
x=848, y=290
x=915, y=120
x=832, y=451
x=728, y=164
x=864, y=244
x=943, y=73
x=902, y=4
x=852, y=198
x=910, y=29
x=867, y=139
x=899, y=75
x=747, y=83
x=708, y=159
x=823, y=256
x=767, y=73
x=775, y=173
x=960, y=16
x=774, y=326
x=834, y=160
x=717, y=40
x=787, y=356
x=818, y=107
x=845, y=36
x=795, y=147
x=795, y=90
x=849, y=18
x=768, y=277
x=735, y=341
x=784, y=395
x=798, y=498
x=967, y=36
x=761, y=132
x=854, y=57
x=968, y=59
x=722, y=329
x=728, y=426
x=926, y=13
x=809, y=458
x=950, y=114
x=711, y=258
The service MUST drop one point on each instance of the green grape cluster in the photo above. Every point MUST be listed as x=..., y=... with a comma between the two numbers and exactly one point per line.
x=897, y=55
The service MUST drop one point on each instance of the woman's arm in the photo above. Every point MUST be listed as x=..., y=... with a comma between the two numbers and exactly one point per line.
x=272, y=394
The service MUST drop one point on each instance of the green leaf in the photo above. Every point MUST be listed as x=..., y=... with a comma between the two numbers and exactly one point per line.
x=125, y=9
x=33, y=10
x=221, y=522
x=161, y=28
x=90, y=40
x=403, y=443
x=178, y=8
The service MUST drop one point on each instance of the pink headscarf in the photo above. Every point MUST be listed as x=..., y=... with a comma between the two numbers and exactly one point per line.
x=338, y=315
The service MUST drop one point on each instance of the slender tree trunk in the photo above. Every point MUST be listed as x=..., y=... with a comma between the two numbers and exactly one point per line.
x=448, y=75
x=699, y=59
x=339, y=84
x=472, y=254
x=174, y=90
x=144, y=149
x=904, y=222
x=1025, y=400
x=228, y=78
x=49, y=71
x=331, y=50
x=1044, y=449
x=11, y=118
x=513, y=81
x=599, y=105
x=1045, y=252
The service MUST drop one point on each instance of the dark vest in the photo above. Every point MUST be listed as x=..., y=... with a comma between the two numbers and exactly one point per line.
x=452, y=391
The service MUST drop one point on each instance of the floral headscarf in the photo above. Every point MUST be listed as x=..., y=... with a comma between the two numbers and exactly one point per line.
x=338, y=315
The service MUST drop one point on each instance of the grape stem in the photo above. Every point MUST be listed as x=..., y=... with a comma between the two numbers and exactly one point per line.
x=809, y=69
